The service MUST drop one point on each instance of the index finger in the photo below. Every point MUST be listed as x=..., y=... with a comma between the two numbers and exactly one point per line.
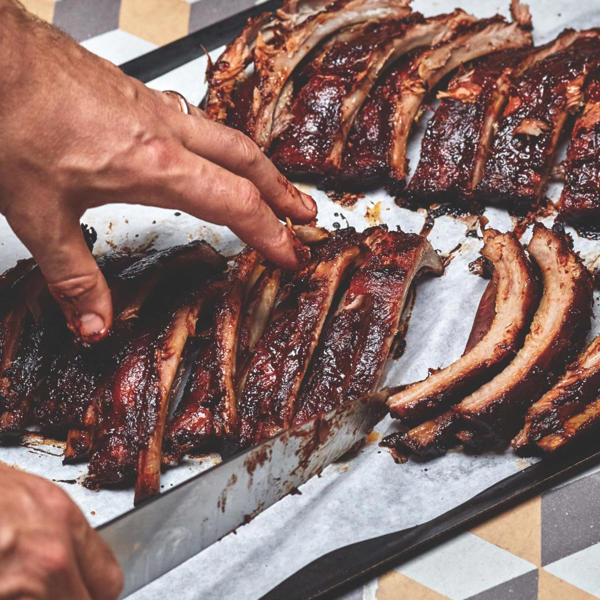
x=237, y=153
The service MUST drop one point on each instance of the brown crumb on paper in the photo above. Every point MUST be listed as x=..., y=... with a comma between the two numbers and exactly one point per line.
x=373, y=214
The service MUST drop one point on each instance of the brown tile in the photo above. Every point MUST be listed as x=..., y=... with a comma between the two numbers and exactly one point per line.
x=553, y=588
x=44, y=9
x=158, y=21
x=395, y=586
x=518, y=531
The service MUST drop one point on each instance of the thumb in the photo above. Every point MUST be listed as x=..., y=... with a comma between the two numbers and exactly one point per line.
x=72, y=275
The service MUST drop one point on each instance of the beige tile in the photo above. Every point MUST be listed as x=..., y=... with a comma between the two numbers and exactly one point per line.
x=44, y=9
x=158, y=21
x=395, y=586
x=518, y=531
x=553, y=588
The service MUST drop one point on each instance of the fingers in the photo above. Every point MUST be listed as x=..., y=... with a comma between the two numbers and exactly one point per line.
x=72, y=274
x=100, y=570
x=236, y=152
x=214, y=194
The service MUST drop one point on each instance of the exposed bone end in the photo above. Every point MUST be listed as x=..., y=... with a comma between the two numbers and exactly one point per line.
x=521, y=14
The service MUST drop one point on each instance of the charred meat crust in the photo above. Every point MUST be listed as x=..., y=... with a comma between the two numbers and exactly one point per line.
x=577, y=428
x=208, y=409
x=429, y=439
x=469, y=41
x=386, y=120
x=574, y=390
x=300, y=28
x=457, y=136
x=132, y=399
x=336, y=84
x=580, y=199
x=357, y=338
x=281, y=357
x=521, y=153
x=228, y=72
x=515, y=296
x=557, y=333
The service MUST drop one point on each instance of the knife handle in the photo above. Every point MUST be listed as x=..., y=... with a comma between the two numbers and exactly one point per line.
x=344, y=568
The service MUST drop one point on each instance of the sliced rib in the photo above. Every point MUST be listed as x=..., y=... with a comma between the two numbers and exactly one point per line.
x=33, y=330
x=456, y=144
x=577, y=428
x=399, y=97
x=337, y=82
x=357, y=338
x=510, y=299
x=282, y=355
x=132, y=400
x=557, y=333
x=521, y=153
x=580, y=199
x=208, y=408
x=302, y=27
x=574, y=390
x=229, y=71
x=429, y=439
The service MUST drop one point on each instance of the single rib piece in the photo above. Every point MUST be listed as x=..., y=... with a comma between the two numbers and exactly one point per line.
x=580, y=199
x=281, y=357
x=521, y=154
x=208, y=408
x=579, y=427
x=456, y=144
x=303, y=26
x=33, y=330
x=456, y=140
x=557, y=333
x=574, y=390
x=493, y=342
x=229, y=71
x=398, y=99
x=357, y=338
x=336, y=83
x=132, y=400
x=429, y=439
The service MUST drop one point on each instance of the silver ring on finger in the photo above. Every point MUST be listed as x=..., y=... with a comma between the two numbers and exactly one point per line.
x=184, y=105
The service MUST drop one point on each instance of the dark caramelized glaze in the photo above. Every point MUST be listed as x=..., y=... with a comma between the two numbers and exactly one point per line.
x=456, y=135
x=557, y=333
x=318, y=113
x=357, y=339
x=580, y=200
x=282, y=355
x=529, y=130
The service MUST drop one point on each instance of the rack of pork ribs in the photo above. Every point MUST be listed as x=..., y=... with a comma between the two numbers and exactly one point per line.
x=331, y=90
x=525, y=374
x=205, y=354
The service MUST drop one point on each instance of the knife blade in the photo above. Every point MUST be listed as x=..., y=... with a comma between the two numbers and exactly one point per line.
x=343, y=569
x=167, y=530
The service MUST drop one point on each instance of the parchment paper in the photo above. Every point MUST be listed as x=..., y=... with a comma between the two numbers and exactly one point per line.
x=370, y=495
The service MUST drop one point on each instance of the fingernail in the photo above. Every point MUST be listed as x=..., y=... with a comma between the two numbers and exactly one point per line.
x=309, y=203
x=91, y=325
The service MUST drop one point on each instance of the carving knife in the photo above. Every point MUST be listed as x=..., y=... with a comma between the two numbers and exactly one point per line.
x=157, y=536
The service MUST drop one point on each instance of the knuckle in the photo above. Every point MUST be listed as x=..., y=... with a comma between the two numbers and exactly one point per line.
x=74, y=287
x=53, y=558
x=249, y=153
x=114, y=580
x=249, y=201
x=159, y=154
x=59, y=504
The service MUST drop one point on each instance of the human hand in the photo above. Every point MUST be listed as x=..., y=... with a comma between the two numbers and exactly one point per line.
x=77, y=133
x=48, y=551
